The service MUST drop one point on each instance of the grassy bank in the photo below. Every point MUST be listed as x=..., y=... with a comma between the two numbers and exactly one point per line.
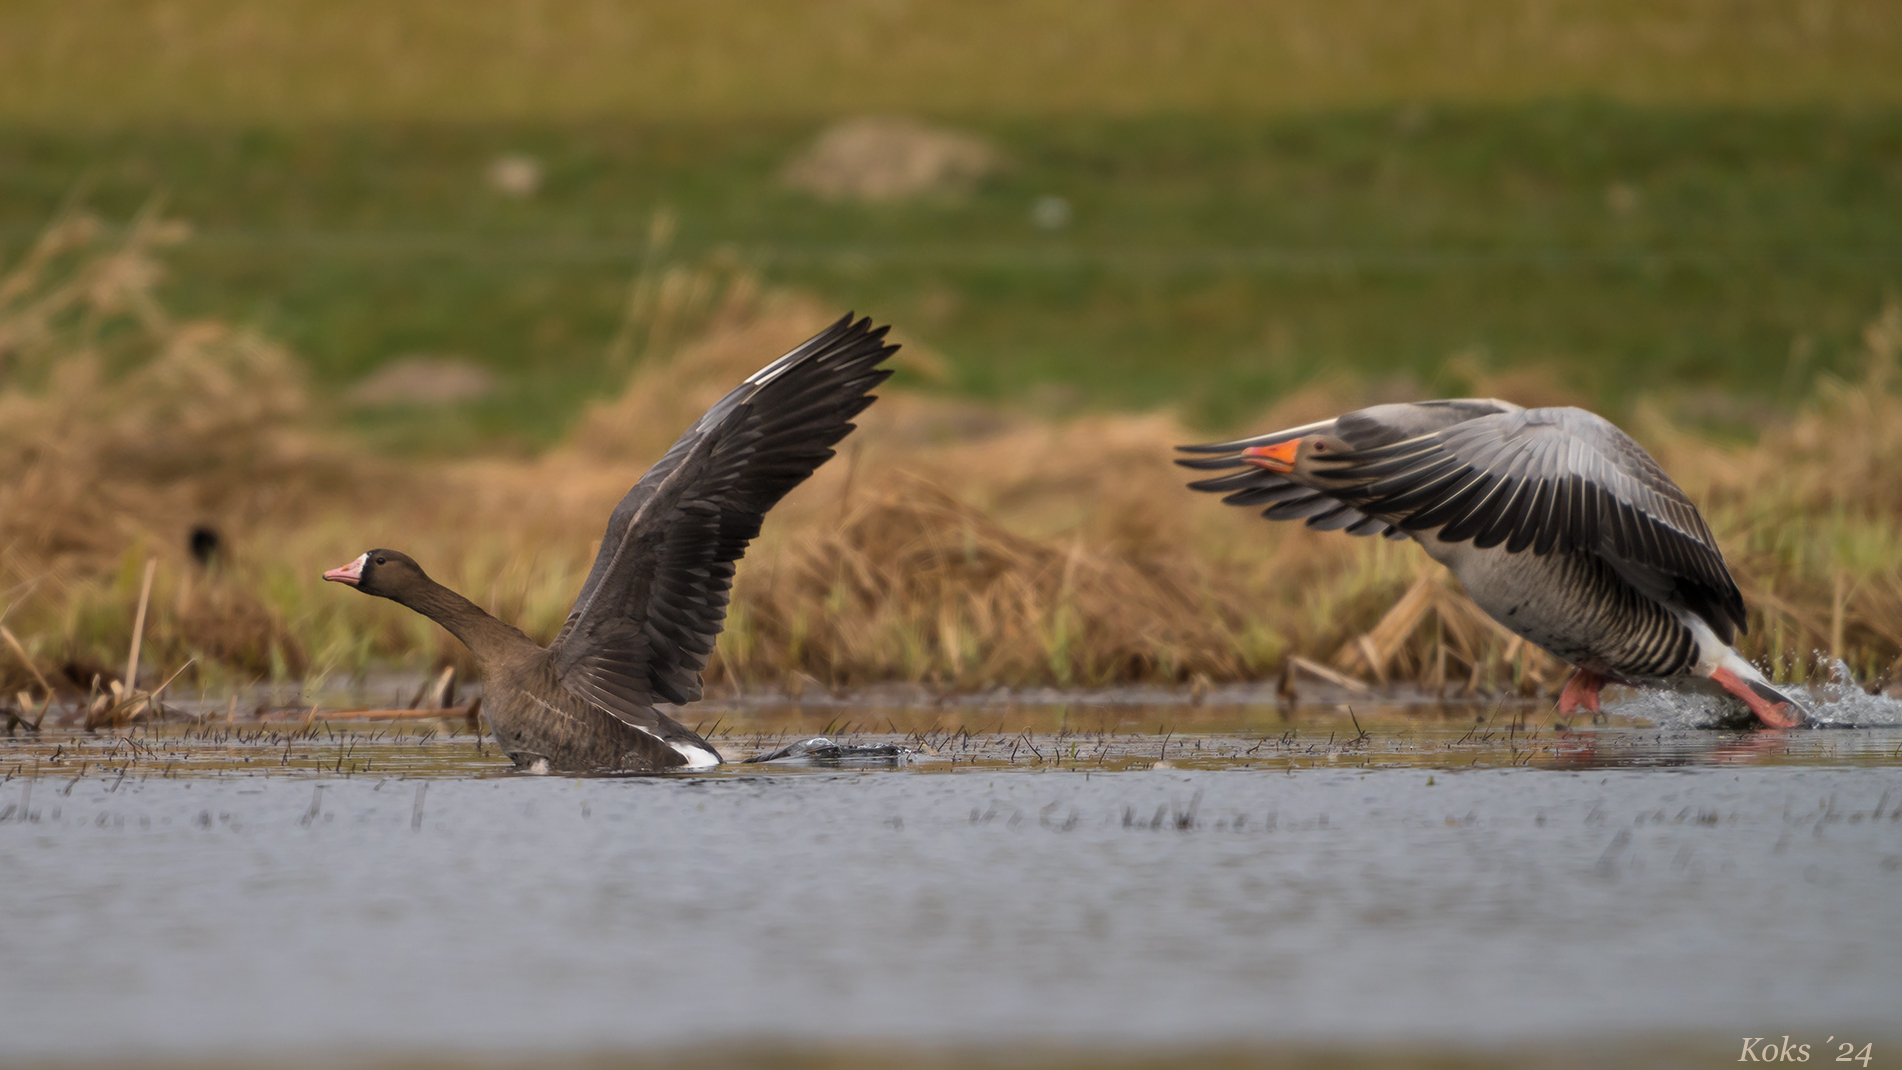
x=1717, y=258
x=955, y=543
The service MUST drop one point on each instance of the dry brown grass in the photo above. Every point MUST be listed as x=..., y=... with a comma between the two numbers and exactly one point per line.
x=952, y=544
x=1811, y=515
x=121, y=429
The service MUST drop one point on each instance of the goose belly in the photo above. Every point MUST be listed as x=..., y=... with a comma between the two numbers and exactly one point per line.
x=1576, y=607
x=571, y=735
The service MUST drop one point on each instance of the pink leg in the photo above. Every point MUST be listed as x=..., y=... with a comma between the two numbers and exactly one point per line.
x=1769, y=706
x=1581, y=691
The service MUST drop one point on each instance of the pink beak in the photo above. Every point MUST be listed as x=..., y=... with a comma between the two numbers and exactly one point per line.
x=349, y=573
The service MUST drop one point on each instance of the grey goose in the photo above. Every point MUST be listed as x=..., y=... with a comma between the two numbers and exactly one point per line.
x=647, y=616
x=1558, y=524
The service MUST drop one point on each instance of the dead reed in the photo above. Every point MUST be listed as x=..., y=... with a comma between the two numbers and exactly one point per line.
x=953, y=545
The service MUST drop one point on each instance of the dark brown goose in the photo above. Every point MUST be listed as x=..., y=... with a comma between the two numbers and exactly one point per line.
x=656, y=598
x=1558, y=524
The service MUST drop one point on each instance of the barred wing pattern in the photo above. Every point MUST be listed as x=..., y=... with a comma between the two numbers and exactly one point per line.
x=1287, y=499
x=1545, y=480
x=1550, y=480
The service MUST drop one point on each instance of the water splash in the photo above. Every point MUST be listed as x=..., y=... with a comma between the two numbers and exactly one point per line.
x=1668, y=708
x=1840, y=702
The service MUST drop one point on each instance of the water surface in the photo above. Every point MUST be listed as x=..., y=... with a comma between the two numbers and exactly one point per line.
x=1050, y=879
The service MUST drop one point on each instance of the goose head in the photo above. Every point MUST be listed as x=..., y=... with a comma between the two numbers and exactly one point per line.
x=384, y=573
x=1302, y=458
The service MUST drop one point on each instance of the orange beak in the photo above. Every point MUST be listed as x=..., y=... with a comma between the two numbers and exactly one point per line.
x=1277, y=458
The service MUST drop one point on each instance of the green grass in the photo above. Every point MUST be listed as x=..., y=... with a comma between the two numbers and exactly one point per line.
x=1213, y=261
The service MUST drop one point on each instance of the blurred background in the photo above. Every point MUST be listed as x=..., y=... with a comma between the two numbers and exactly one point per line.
x=312, y=276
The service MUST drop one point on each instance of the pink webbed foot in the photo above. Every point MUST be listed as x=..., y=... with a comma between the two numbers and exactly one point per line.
x=1581, y=691
x=1773, y=709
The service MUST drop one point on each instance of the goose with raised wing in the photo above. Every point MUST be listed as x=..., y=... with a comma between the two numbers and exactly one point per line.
x=1559, y=525
x=647, y=616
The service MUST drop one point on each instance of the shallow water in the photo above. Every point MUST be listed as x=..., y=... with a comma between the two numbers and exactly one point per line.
x=1081, y=877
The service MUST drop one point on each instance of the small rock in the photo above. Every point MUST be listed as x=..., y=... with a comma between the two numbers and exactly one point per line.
x=883, y=158
x=1050, y=213
x=517, y=176
x=420, y=380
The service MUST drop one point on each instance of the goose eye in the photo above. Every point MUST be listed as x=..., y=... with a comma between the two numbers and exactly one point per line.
x=382, y=561
x=1320, y=447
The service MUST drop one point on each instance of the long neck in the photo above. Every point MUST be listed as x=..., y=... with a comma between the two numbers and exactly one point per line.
x=487, y=638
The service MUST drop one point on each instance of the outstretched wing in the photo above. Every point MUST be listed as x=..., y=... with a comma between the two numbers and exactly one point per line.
x=1287, y=499
x=1548, y=480
x=645, y=621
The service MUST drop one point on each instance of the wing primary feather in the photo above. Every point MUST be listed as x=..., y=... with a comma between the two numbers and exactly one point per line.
x=1270, y=439
x=1367, y=525
x=1440, y=480
x=1341, y=516
x=1301, y=508
x=1239, y=481
x=655, y=601
x=1261, y=495
x=1398, y=459
x=1392, y=487
x=1210, y=464
x=1453, y=505
x=1591, y=528
x=1533, y=518
x=1506, y=516
x=1480, y=513
x=1552, y=526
